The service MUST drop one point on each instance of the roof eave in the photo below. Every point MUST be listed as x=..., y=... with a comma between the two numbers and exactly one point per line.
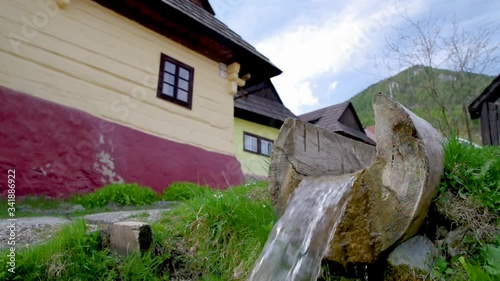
x=258, y=118
x=488, y=95
x=173, y=23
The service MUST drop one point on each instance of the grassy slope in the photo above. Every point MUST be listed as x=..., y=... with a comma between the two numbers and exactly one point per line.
x=211, y=235
x=469, y=201
x=412, y=94
x=218, y=235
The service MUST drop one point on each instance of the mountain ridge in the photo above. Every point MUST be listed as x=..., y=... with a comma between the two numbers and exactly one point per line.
x=437, y=95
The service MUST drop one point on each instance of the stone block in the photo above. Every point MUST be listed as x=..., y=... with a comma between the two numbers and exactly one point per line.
x=130, y=236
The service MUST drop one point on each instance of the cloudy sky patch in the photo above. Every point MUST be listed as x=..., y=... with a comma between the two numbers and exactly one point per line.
x=324, y=47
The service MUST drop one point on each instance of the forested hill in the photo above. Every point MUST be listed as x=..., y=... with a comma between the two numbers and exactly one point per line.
x=436, y=95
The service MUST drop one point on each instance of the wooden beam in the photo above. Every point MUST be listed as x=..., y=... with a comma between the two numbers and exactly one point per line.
x=485, y=125
x=490, y=94
x=498, y=123
x=493, y=120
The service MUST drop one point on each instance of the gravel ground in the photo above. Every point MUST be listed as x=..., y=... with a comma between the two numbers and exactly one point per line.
x=34, y=230
x=29, y=231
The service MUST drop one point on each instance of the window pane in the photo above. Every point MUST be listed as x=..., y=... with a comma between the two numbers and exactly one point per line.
x=182, y=95
x=170, y=67
x=250, y=143
x=183, y=84
x=184, y=73
x=266, y=147
x=168, y=90
x=169, y=78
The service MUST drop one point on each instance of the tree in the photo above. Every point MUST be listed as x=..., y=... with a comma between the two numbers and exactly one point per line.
x=447, y=62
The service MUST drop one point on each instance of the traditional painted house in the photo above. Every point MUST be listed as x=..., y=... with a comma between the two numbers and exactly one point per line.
x=104, y=91
x=487, y=108
x=258, y=116
x=339, y=118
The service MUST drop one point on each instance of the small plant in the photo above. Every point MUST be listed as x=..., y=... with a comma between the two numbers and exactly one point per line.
x=120, y=194
x=487, y=269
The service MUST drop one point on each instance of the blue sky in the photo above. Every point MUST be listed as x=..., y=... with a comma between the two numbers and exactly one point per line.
x=325, y=47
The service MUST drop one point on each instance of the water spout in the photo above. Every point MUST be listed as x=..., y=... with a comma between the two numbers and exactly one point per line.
x=301, y=237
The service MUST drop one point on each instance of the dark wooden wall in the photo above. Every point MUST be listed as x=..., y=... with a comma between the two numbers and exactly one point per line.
x=490, y=123
x=349, y=119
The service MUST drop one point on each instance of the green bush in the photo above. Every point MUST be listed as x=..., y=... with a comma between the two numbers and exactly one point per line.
x=183, y=191
x=120, y=194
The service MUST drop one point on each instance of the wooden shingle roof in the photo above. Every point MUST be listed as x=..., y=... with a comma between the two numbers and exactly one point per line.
x=195, y=27
x=265, y=107
x=202, y=16
x=329, y=118
x=205, y=5
x=261, y=104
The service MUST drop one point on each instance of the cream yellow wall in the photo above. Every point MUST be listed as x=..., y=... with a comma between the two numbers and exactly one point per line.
x=252, y=164
x=90, y=58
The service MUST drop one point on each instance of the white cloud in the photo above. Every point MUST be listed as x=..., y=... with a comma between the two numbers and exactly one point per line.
x=306, y=52
x=333, y=85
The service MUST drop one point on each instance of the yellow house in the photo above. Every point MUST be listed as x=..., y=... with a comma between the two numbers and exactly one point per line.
x=105, y=91
x=258, y=116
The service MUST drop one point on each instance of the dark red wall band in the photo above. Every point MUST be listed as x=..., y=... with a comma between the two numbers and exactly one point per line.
x=58, y=151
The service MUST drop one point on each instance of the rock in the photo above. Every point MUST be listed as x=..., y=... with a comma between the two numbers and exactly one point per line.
x=130, y=236
x=303, y=149
x=417, y=252
x=76, y=208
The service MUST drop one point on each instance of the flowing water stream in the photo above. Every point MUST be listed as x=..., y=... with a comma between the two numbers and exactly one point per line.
x=301, y=237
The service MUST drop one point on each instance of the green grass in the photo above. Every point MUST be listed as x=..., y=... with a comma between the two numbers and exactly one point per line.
x=33, y=204
x=104, y=199
x=74, y=254
x=120, y=194
x=218, y=235
x=211, y=235
x=183, y=191
x=469, y=197
x=42, y=202
x=472, y=171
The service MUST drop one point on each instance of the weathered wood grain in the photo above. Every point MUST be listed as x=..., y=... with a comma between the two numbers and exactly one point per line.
x=303, y=149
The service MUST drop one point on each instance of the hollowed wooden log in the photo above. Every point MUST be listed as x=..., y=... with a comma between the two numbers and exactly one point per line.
x=389, y=199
